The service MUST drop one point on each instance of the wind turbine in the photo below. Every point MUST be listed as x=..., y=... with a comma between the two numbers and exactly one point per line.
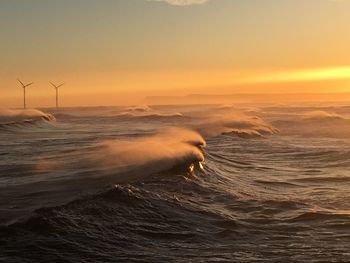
x=24, y=92
x=56, y=87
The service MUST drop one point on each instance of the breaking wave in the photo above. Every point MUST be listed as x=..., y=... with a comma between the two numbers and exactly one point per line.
x=148, y=115
x=168, y=149
x=229, y=121
x=124, y=113
x=19, y=117
x=321, y=115
x=144, y=111
x=315, y=124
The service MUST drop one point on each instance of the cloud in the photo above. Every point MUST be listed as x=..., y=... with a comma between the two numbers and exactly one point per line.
x=182, y=2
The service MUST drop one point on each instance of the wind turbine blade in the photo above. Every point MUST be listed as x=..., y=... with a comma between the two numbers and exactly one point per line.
x=53, y=84
x=29, y=84
x=60, y=85
x=21, y=82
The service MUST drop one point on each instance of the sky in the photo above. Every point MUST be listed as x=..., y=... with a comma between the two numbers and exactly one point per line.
x=111, y=52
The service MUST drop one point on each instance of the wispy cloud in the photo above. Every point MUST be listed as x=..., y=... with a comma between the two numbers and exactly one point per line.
x=182, y=2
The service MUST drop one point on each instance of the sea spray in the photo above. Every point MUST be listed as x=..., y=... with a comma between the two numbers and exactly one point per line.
x=167, y=149
x=230, y=121
x=8, y=116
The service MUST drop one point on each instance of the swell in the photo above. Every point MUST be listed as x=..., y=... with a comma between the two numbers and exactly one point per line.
x=170, y=151
x=313, y=124
x=137, y=199
x=123, y=116
x=199, y=214
x=124, y=220
x=21, y=118
x=322, y=217
x=142, y=112
x=324, y=179
x=13, y=126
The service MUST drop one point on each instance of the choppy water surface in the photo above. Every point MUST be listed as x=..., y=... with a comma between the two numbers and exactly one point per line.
x=178, y=184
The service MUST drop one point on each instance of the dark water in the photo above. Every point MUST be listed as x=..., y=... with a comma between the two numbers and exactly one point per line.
x=119, y=185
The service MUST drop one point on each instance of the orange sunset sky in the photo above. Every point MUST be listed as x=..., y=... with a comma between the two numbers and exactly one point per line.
x=114, y=52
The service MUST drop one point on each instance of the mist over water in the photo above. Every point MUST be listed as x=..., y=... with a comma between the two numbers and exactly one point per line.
x=242, y=183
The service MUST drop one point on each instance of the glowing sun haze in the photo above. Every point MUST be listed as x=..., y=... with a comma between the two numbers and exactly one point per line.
x=119, y=51
x=182, y=2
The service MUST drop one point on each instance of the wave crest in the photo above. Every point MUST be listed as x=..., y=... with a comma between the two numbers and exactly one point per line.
x=144, y=111
x=321, y=115
x=235, y=123
x=166, y=150
x=8, y=117
x=315, y=124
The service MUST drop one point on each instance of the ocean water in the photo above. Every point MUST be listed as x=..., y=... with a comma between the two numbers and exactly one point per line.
x=220, y=183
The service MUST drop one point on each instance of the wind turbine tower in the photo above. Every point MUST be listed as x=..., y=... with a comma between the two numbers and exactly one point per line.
x=56, y=87
x=24, y=92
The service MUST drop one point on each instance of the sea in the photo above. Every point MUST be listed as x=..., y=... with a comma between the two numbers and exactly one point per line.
x=185, y=183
